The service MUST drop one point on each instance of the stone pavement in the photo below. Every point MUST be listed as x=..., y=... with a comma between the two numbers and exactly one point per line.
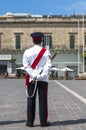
x=66, y=111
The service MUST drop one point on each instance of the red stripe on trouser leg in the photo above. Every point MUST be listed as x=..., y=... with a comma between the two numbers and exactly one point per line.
x=47, y=104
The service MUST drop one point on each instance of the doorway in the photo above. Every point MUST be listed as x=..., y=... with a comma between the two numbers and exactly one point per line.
x=3, y=69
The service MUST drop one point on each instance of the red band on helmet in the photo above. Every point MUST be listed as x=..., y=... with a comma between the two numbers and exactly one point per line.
x=37, y=38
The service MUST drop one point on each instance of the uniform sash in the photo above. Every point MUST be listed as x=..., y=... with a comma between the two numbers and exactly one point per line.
x=34, y=64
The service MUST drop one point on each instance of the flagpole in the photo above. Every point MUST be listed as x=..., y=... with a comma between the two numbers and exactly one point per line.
x=78, y=48
x=83, y=39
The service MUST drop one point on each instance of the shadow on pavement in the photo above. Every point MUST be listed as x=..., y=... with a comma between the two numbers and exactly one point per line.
x=11, y=122
x=68, y=122
x=55, y=123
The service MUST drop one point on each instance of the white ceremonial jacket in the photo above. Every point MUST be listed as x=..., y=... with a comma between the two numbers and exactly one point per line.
x=43, y=66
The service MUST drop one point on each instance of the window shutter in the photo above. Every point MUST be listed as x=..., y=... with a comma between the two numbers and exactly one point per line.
x=17, y=41
x=72, y=41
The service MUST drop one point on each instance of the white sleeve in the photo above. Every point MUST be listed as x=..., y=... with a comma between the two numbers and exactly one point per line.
x=27, y=66
x=47, y=65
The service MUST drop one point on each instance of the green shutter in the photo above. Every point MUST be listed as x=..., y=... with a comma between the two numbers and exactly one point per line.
x=72, y=41
x=85, y=40
x=50, y=42
x=43, y=41
x=17, y=41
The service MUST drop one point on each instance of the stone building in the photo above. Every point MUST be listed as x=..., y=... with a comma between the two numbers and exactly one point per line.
x=64, y=35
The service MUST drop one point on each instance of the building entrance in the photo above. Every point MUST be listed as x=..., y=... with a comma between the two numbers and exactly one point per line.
x=3, y=69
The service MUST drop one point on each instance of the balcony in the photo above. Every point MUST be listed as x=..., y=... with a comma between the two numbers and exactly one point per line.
x=57, y=48
x=65, y=48
x=10, y=51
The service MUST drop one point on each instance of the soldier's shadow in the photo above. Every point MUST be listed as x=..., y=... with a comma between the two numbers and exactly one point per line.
x=11, y=122
x=68, y=122
x=55, y=123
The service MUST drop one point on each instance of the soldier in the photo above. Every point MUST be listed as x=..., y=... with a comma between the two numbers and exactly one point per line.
x=38, y=79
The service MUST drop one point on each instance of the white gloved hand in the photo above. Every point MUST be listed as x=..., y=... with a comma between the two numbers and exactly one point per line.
x=39, y=76
x=35, y=77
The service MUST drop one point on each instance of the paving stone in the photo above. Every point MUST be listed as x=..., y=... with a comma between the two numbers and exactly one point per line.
x=66, y=112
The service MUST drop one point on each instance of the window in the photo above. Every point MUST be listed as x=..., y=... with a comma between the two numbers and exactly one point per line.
x=72, y=41
x=85, y=40
x=0, y=40
x=18, y=42
x=47, y=42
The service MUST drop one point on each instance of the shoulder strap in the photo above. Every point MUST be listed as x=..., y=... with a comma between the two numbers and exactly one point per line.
x=38, y=58
x=35, y=63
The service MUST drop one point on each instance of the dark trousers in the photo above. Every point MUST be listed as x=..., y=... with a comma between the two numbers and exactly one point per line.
x=42, y=88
